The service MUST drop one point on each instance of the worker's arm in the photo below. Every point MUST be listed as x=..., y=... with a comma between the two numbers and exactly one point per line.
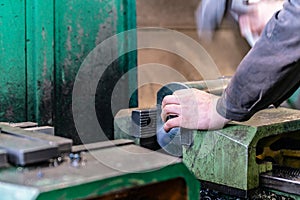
x=270, y=72
x=267, y=75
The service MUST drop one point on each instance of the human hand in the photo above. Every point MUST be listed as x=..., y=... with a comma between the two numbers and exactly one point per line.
x=195, y=109
x=258, y=16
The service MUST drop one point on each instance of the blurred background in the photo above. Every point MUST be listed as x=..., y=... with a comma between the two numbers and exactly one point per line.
x=227, y=48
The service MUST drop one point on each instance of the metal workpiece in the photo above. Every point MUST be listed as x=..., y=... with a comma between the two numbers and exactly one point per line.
x=138, y=125
x=231, y=156
x=22, y=151
x=136, y=122
x=24, y=147
x=104, y=173
x=64, y=144
x=173, y=140
x=143, y=122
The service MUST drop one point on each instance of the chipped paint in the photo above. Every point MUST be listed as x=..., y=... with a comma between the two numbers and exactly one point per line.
x=68, y=41
x=43, y=33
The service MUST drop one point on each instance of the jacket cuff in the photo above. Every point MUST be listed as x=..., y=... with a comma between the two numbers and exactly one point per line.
x=228, y=111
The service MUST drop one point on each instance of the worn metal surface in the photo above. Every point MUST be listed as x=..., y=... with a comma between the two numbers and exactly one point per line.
x=64, y=144
x=22, y=151
x=40, y=63
x=100, y=145
x=228, y=156
x=43, y=44
x=76, y=36
x=94, y=178
x=282, y=179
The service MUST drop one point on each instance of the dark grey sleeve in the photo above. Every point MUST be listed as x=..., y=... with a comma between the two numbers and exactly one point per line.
x=270, y=72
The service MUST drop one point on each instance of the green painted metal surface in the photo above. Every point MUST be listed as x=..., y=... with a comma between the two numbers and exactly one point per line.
x=128, y=181
x=228, y=156
x=105, y=186
x=12, y=60
x=100, y=172
x=40, y=60
x=77, y=35
x=43, y=44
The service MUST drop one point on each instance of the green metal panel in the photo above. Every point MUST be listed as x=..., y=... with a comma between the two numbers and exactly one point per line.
x=109, y=169
x=77, y=32
x=99, y=188
x=43, y=44
x=127, y=22
x=40, y=60
x=12, y=61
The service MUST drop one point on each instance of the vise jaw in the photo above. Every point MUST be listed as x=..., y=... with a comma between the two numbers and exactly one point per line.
x=235, y=156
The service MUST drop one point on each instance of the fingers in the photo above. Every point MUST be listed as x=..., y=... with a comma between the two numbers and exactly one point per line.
x=169, y=99
x=170, y=110
x=172, y=123
x=170, y=106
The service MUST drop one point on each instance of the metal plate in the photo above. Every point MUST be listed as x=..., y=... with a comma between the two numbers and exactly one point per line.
x=64, y=144
x=22, y=151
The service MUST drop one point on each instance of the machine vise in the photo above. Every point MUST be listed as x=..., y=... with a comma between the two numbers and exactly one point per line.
x=263, y=152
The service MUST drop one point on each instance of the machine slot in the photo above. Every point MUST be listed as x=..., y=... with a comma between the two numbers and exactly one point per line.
x=282, y=150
